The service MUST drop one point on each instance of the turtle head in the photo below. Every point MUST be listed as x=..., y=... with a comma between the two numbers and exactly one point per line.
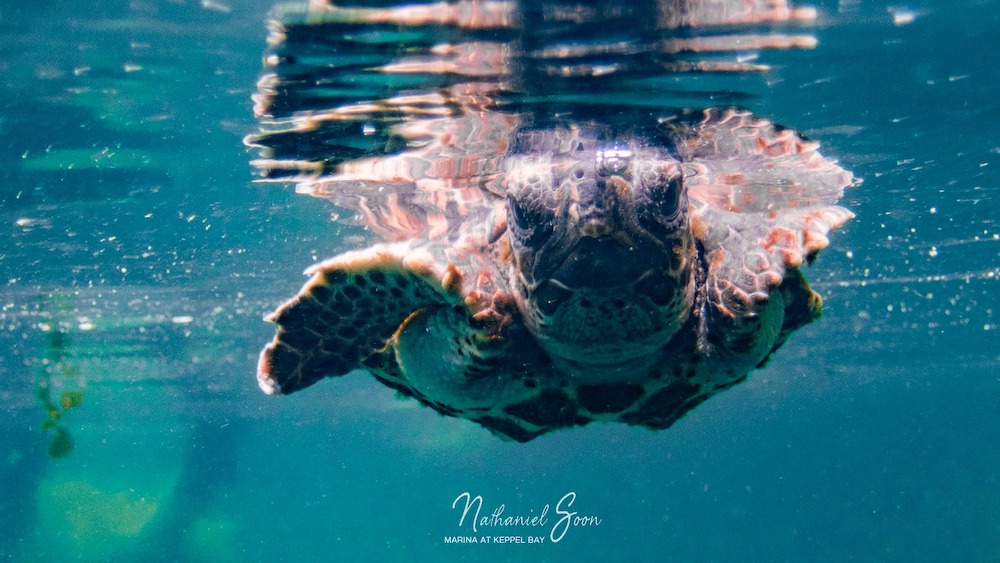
x=602, y=251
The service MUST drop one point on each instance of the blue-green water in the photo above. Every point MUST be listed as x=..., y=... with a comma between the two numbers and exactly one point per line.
x=138, y=260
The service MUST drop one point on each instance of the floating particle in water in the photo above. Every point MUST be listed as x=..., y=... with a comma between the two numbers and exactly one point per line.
x=901, y=15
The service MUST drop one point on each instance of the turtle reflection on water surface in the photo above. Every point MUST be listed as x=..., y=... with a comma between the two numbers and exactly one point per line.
x=534, y=277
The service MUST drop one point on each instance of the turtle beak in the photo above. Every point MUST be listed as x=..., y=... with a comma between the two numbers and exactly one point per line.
x=600, y=262
x=605, y=253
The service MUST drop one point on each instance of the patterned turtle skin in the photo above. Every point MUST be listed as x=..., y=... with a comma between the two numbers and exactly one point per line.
x=536, y=278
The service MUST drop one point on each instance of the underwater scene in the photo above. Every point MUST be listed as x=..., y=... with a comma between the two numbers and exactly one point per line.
x=676, y=280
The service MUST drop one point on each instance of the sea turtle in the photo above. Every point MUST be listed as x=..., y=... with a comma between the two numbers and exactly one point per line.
x=534, y=278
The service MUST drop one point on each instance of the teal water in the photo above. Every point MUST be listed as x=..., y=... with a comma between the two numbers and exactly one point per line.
x=138, y=260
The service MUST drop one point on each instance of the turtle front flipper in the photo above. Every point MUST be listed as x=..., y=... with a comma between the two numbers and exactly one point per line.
x=349, y=310
x=762, y=202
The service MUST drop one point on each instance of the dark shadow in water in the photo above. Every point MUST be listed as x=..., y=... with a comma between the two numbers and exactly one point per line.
x=209, y=470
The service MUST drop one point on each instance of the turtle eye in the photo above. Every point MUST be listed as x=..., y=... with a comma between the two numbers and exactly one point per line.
x=667, y=195
x=531, y=225
x=663, y=202
x=520, y=215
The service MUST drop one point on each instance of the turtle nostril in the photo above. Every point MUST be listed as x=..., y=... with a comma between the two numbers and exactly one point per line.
x=596, y=228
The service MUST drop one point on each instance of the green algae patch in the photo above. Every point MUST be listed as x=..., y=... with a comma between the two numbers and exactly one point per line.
x=111, y=499
x=94, y=513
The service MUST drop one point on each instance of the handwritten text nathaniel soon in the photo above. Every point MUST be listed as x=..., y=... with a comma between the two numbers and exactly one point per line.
x=565, y=517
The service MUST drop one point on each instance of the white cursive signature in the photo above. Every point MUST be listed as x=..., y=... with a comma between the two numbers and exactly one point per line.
x=565, y=518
